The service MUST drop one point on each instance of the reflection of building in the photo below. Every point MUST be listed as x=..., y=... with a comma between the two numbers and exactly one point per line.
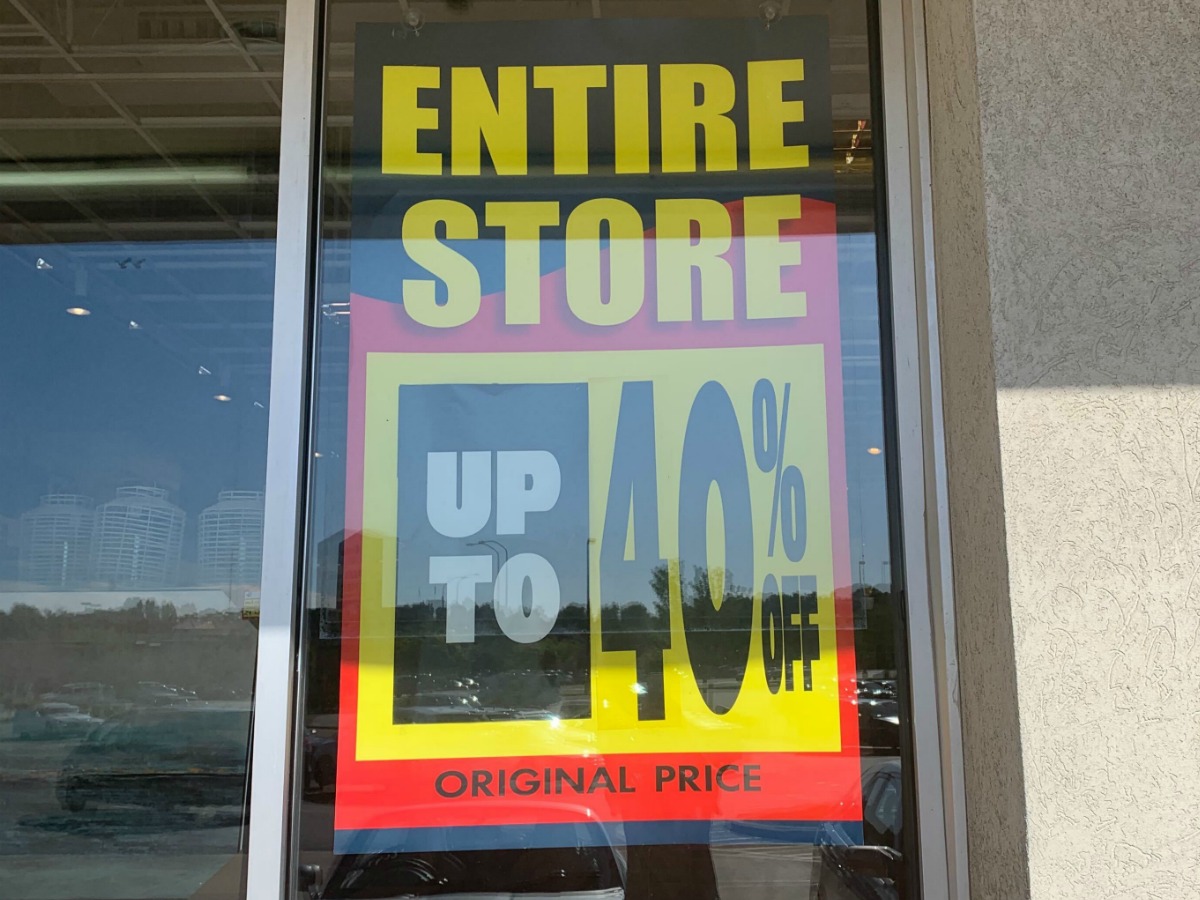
x=138, y=538
x=327, y=593
x=231, y=538
x=55, y=541
x=10, y=543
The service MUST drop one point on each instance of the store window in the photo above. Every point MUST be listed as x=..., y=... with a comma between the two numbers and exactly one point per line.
x=599, y=595
x=139, y=147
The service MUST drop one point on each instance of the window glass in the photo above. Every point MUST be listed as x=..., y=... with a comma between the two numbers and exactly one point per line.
x=138, y=172
x=599, y=600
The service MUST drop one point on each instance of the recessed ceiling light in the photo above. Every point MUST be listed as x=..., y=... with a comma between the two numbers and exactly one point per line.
x=78, y=311
x=222, y=398
x=874, y=451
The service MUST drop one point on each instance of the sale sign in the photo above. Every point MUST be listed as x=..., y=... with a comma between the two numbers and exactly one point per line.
x=596, y=575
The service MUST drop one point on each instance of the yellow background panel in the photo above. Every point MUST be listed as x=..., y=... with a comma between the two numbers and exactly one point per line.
x=759, y=721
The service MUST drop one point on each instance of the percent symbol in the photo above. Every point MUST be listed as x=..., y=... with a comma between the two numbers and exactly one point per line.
x=770, y=442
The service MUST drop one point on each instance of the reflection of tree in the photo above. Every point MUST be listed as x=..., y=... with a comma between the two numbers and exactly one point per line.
x=510, y=674
x=875, y=636
x=718, y=618
x=660, y=583
x=573, y=619
x=139, y=615
x=40, y=651
x=697, y=591
x=637, y=619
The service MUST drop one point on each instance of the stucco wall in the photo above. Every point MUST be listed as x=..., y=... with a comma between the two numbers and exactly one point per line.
x=1067, y=132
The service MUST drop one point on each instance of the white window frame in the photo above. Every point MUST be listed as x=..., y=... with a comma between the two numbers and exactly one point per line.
x=940, y=813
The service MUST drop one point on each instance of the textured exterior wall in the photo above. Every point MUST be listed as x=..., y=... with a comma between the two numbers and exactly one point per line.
x=1088, y=163
x=995, y=790
x=1104, y=534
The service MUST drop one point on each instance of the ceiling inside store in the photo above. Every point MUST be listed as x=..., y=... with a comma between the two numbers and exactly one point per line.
x=139, y=148
x=135, y=120
x=139, y=144
x=182, y=97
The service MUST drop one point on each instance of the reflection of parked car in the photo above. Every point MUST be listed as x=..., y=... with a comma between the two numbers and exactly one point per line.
x=877, y=688
x=187, y=756
x=853, y=866
x=92, y=697
x=52, y=720
x=879, y=717
x=415, y=714
x=151, y=693
x=594, y=868
x=879, y=726
x=320, y=752
x=447, y=698
x=869, y=871
x=437, y=706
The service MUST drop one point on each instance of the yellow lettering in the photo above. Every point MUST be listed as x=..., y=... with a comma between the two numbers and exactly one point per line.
x=463, y=291
x=631, y=123
x=766, y=255
x=403, y=117
x=767, y=112
x=626, y=262
x=570, y=85
x=682, y=114
x=676, y=255
x=522, y=223
x=500, y=124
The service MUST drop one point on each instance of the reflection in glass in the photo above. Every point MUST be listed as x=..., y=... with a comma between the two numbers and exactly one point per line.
x=450, y=649
x=138, y=146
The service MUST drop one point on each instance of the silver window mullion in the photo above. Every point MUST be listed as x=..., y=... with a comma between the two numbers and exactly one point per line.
x=936, y=722
x=269, y=852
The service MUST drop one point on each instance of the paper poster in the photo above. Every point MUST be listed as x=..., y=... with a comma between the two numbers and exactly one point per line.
x=597, y=579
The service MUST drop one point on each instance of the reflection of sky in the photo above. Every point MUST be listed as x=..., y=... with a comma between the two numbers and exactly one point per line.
x=89, y=403
x=865, y=473
x=867, y=500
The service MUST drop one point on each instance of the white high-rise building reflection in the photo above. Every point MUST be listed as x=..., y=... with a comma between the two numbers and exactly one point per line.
x=56, y=541
x=138, y=539
x=231, y=538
